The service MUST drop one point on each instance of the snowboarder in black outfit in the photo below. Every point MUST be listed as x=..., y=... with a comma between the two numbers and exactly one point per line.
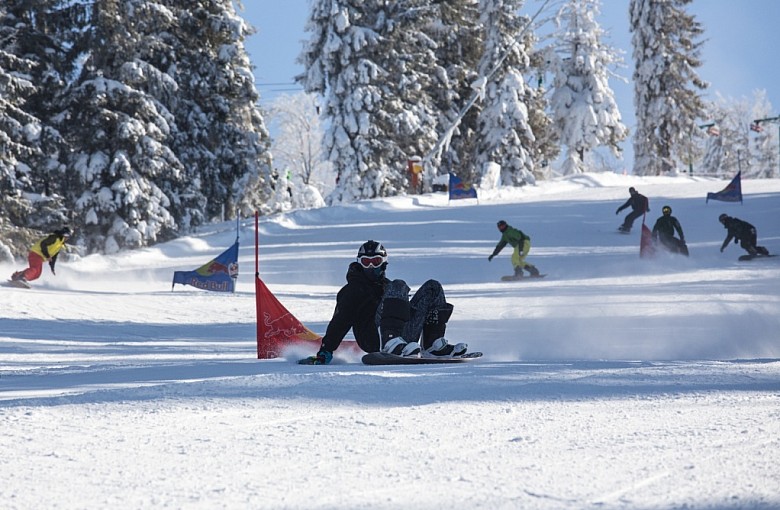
x=664, y=230
x=741, y=232
x=639, y=205
x=382, y=317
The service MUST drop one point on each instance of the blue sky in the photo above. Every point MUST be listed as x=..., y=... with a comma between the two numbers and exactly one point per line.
x=739, y=34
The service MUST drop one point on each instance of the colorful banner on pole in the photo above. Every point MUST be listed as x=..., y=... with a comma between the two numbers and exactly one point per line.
x=217, y=275
x=458, y=189
x=731, y=193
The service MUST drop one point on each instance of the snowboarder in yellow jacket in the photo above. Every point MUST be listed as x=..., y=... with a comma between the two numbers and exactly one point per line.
x=521, y=244
x=45, y=249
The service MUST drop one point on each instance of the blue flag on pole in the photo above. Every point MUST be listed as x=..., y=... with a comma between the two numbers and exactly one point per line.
x=218, y=274
x=731, y=193
x=458, y=189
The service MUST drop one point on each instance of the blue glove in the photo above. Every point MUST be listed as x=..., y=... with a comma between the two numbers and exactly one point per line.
x=323, y=357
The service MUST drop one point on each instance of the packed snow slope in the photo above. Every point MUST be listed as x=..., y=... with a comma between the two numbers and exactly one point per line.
x=615, y=382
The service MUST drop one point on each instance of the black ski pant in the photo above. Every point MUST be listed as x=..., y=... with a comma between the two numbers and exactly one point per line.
x=630, y=217
x=408, y=317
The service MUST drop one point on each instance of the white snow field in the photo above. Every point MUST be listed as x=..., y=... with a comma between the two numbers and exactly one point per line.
x=614, y=383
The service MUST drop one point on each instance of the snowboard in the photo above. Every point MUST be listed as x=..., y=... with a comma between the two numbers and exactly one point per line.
x=383, y=358
x=624, y=232
x=17, y=283
x=752, y=257
x=513, y=278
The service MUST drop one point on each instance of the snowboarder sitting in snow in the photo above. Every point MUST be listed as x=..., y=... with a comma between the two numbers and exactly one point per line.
x=639, y=205
x=664, y=229
x=45, y=249
x=381, y=315
x=522, y=245
x=742, y=232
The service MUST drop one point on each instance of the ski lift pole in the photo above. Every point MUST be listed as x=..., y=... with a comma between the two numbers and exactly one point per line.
x=435, y=153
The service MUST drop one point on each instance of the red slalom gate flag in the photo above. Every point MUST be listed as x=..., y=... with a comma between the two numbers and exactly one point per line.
x=277, y=328
x=646, y=245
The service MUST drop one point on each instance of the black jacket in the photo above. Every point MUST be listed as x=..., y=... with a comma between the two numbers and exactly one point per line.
x=738, y=230
x=638, y=202
x=356, y=305
x=665, y=226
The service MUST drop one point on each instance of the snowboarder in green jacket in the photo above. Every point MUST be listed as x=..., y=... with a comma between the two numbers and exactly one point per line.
x=521, y=244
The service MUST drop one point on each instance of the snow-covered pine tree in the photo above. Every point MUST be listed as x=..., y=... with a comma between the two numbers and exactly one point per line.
x=459, y=39
x=120, y=132
x=504, y=133
x=339, y=65
x=734, y=149
x=32, y=70
x=584, y=108
x=223, y=142
x=764, y=159
x=15, y=123
x=666, y=87
x=407, y=119
x=367, y=59
x=713, y=155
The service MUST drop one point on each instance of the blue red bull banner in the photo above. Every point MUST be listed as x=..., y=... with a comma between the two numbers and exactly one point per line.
x=731, y=193
x=217, y=275
x=459, y=189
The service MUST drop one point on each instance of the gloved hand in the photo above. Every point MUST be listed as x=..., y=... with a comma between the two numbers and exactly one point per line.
x=51, y=266
x=490, y=258
x=617, y=212
x=721, y=249
x=323, y=357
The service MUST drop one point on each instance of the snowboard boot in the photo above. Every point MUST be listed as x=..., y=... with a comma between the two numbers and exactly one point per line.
x=624, y=229
x=435, y=324
x=401, y=347
x=395, y=315
x=762, y=250
x=16, y=276
x=518, y=273
x=531, y=269
x=441, y=347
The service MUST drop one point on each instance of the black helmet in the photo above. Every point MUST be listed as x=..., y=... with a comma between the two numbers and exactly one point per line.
x=501, y=225
x=723, y=217
x=666, y=210
x=631, y=190
x=372, y=254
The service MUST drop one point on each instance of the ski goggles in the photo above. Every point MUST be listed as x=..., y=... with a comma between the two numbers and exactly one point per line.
x=375, y=261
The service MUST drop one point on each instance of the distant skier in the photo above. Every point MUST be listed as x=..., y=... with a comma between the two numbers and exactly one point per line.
x=742, y=232
x=45, y=249
x=639, y=205
x=381, y=315
x=664, y=230
x=521, y=244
